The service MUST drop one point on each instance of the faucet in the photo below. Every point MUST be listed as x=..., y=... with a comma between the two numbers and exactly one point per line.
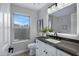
x=55, y=33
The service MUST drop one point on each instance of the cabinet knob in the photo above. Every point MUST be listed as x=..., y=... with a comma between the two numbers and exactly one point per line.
x=46, y=52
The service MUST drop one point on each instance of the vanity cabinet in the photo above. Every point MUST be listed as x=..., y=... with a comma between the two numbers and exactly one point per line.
x=61, y=53
x=44, y=49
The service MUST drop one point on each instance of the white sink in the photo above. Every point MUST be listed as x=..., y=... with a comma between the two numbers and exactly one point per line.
x=53, y=41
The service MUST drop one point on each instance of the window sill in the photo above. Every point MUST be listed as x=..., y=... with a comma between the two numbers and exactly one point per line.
x=20, y=41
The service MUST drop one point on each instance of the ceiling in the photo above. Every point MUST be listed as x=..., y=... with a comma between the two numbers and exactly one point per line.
x=33, y=6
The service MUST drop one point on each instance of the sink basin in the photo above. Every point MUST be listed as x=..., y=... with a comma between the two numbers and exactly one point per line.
x=53, y=41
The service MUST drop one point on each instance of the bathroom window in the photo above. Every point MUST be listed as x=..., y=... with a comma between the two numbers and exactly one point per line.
x=21, y=27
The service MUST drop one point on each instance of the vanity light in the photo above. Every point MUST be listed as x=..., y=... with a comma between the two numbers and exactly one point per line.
x=52, y=8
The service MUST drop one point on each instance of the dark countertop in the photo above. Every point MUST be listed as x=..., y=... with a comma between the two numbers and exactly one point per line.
x=67, y=45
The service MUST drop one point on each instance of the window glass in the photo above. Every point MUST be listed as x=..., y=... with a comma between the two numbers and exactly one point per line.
x=21, y=27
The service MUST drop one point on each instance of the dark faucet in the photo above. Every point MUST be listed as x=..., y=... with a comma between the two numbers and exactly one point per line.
x=55, y=33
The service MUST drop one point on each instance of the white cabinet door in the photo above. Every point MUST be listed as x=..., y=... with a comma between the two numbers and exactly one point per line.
x=50, y=50
x=44, y=49
x=61, y=53
x=39, y=48
x=38, y=52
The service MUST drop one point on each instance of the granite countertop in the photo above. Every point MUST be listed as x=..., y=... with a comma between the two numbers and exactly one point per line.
x=67, y=46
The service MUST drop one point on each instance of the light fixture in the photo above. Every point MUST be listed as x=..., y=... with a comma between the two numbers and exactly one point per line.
x=52, y=8
x=54, y=4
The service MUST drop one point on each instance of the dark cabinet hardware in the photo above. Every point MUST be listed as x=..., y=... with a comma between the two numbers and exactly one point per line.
x=46, y=52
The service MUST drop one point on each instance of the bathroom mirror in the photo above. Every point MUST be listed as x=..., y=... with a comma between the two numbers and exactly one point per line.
x=64, y=20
